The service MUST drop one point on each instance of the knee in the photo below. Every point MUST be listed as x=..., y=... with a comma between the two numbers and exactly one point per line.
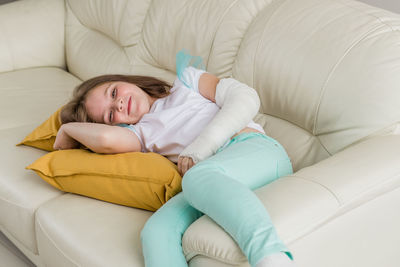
x=200, y=177
x=193, y=177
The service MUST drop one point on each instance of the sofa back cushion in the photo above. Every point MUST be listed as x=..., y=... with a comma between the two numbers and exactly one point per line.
x=102, y=36
x=325, y=70
x=143, y=36
x=32, y=34
x=327, y=73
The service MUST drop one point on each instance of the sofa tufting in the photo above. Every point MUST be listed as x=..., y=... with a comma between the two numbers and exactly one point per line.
x=328, y=76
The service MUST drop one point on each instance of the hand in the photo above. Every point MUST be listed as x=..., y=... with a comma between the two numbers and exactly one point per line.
x=184, y=164
x=64, y=141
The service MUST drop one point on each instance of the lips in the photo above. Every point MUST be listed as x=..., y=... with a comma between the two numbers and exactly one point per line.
x=129, y=105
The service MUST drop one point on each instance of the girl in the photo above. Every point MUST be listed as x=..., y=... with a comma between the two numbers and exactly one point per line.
x=202, y=123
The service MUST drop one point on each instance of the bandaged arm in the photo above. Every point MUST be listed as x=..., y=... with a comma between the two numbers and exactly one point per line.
x=238, y=104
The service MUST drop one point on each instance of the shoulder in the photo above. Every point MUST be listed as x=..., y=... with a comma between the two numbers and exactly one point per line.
x=208, y=85
x=189, y=77
x=199, y=81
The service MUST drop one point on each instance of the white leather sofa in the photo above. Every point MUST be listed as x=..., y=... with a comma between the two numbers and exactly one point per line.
x=327, y=73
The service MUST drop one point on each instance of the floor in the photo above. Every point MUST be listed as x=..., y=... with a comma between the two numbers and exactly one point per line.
x=10, y=256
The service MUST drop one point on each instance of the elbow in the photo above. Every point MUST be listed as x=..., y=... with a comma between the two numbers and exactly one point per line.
x=253, y=101
x=256, y=99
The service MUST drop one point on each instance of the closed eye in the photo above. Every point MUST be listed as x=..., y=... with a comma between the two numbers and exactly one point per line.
x=110, y=118
x=113, y=95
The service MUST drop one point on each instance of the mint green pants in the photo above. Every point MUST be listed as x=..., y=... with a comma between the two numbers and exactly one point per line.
x=221, y=187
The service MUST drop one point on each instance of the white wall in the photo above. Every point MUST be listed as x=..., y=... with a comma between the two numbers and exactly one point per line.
x=392, y=5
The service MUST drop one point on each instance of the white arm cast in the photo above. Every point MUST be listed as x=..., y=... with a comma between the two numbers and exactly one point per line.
x=239, y=104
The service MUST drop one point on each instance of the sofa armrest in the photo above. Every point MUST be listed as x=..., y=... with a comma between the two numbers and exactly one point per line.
x=32, y=34
x=300, y=203
x=360, y=172
x=351, y=177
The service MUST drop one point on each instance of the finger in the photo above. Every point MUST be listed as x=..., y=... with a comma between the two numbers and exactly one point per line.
x=180, y=165
x=191, y=163
x=184, y=165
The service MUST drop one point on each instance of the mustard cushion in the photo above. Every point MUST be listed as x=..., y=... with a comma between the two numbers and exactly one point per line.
x=135, y=179
x=44, y=136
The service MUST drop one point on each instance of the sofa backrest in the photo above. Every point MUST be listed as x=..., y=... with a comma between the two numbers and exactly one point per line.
x=143, y=36
x=32, y=34
x=327, y=71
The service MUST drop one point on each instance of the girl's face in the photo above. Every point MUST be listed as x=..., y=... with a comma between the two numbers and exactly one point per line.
x=117, y=102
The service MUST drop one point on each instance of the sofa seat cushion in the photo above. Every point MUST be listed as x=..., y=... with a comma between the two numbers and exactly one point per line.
x=295, y=205
x=32, y=95
x=73, y=230
x=21, y=191
x=28, y=97
x=300, y=203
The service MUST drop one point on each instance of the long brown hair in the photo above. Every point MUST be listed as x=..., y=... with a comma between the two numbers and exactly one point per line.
x=75, y=110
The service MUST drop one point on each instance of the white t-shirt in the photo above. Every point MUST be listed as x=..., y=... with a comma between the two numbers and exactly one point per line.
x=174, y=121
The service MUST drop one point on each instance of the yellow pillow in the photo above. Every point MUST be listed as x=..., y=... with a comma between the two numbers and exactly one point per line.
x=135, y=179
x=44, y=136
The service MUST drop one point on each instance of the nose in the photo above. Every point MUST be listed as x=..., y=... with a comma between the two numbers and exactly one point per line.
x=120, y=104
